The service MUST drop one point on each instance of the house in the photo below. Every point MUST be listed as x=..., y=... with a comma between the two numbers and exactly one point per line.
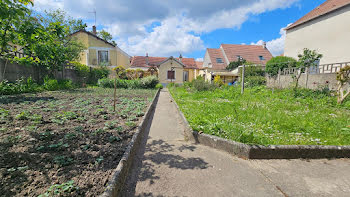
x=216, y=60
x=170, y=70
x=99, y=51
x=325, y=29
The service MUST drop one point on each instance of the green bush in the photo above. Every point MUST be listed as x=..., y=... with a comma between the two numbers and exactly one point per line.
x=279, y=63
x=51, y=84
x=146, y=83
x=255, y=81
x=200, y=84
x=82, y=69
x=20, y=86
x=149, y=82
x=159, y=86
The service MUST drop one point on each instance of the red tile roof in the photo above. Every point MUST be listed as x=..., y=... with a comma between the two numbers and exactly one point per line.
x=140, y=61
x=323, y=9
x=214, y=54
x=199, y=65
x=250, y=53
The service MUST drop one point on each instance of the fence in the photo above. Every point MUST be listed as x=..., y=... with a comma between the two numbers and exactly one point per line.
x=312, y=78
x=12, y=71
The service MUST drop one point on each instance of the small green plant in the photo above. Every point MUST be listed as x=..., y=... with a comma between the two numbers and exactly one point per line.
x=99, y=159
x=113, y=139
x=63, y=160
x=23, y=115
x=110, y=125
x=64, y=190
x=130, y=124
x=98, y=131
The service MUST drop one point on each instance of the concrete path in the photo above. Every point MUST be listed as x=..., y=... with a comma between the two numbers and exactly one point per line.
x=170, y=166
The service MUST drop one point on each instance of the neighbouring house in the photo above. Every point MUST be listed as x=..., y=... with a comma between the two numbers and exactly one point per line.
x=216, y=60
x=169, y=70
x=99, y=51
x=325, y=29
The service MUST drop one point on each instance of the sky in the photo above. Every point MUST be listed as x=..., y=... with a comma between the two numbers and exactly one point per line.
x=188, y=27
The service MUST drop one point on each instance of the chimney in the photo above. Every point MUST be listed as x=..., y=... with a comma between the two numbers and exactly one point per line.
x=94, y=30
x=147, y=60
x=264, y=45
x=180, y=58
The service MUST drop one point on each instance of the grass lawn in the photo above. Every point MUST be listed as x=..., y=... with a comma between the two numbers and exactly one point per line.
x=65, y=142
x=266, y=117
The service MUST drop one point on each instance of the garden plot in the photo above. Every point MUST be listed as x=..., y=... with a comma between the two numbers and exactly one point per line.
x=267, y=117
x=66, y=142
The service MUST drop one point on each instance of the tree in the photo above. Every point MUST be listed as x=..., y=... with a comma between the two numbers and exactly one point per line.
x=61, y=16
x=46, y=41
x=279, y=63
x=12, y=12
x=343, y=78
x=106, y=36
x=307, y=59
x=236, y=64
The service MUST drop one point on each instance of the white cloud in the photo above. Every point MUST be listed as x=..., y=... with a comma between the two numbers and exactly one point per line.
x=200, y=59
x=181, y=22
x=275, y=46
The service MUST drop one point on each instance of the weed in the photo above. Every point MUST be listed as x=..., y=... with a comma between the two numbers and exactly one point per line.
x=99, y=159
x=64, y=189
x=110, y=125
x=23, y=116
x=63, y=160
x=98, y=131
x=130, y=124
x=113, y=139
x=79, y=129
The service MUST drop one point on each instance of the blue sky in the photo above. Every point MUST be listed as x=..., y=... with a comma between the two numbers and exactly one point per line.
x=164, y=28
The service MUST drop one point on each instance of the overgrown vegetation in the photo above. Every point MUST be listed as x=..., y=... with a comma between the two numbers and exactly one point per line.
x=343, y=77
x=29, y=86
x=263, y=116
x=279, y=63
x=254, y=76
x=149, y=82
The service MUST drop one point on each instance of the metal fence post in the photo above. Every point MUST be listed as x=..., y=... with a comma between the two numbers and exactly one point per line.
x=243, y=73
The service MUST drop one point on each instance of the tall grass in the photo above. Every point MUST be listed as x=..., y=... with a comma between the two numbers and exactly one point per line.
x=263, y=116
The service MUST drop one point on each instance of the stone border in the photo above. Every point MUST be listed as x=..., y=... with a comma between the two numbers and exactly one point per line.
x=116, y=184
x=247, y=151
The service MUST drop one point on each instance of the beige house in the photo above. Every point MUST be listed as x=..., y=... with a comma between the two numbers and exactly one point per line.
x=169, y=70
x=99, y=51
x=216, y=60
x=325, y=29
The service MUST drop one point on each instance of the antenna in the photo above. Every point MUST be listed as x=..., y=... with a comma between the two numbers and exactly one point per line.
x=94, y=12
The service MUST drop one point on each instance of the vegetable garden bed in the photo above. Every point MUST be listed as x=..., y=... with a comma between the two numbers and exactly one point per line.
x=66, y=142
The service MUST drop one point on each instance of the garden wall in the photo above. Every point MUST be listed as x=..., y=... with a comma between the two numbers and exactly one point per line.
x=311, y=81
x=12, y=71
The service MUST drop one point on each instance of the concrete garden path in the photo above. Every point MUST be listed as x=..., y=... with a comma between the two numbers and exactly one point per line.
x=170, y=166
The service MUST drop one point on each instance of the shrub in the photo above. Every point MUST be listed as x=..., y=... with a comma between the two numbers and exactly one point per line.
x=201, y=85
x=279, y=63
x=20, y=86
x=218, y=81
x=149, y=82
x=51, y=84
x=120, y=72
x=159, y=86
x=255, y=81
x=105, y=83
x=82, y=69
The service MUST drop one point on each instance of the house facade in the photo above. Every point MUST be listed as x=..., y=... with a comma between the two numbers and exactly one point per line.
x=170, y=70
x=216, y=60
x=99, y=51
x=325, y=29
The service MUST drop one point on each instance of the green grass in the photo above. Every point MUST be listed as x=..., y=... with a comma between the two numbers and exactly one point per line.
x=266, y=117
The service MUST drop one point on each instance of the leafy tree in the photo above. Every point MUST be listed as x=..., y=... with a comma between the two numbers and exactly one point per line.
x=343, y=78
x=236, y=64
x=279, y=63
x=106, y=36
x=12, y=12
x=307, y=59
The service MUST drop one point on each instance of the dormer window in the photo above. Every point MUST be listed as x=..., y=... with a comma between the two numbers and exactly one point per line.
x=219, y=60
x=261, y=57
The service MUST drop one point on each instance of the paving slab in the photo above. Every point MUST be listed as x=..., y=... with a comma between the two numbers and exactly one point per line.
x=170, y=166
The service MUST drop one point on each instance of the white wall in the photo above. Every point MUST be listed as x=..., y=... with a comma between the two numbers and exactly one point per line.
x=206, y=60
x=329, y=35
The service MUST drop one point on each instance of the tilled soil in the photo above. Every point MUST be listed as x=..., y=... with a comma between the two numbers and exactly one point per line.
x=65, y=142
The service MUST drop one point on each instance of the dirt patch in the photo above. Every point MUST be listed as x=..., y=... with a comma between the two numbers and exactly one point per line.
x=65, y=142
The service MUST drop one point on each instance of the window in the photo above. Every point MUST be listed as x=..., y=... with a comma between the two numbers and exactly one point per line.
x=102, y=57
x=171, y=75
x=186, y=75
x=219, y=60
x=261, y=57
